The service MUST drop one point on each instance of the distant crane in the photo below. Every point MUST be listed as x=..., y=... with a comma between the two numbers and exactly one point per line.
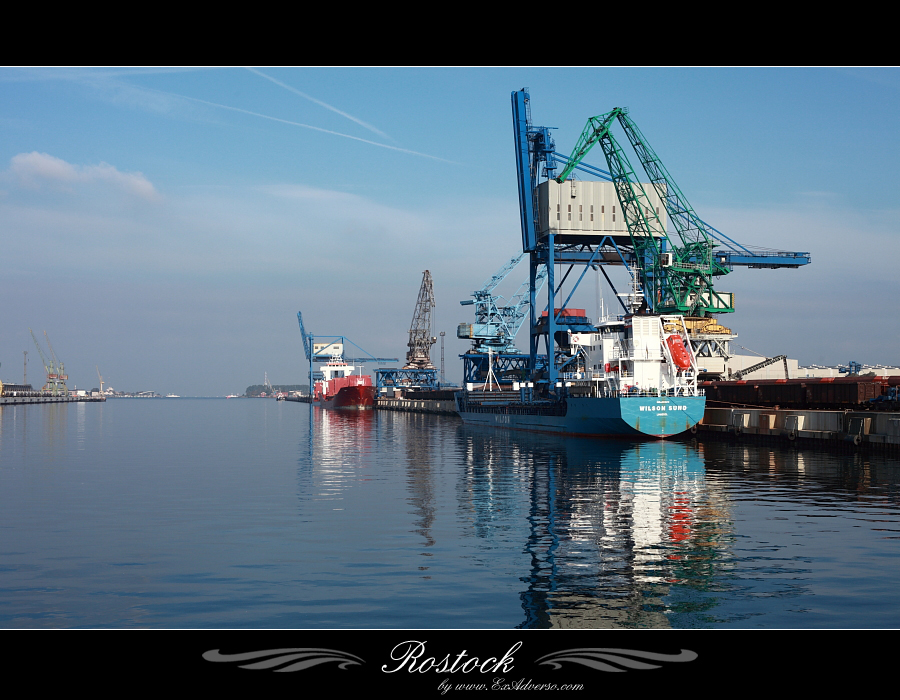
x=60, y=368
x=56, y=378
x=100, y=378
x=333, y=348
x=418, y=372
x=420, y=330
x=852, y=367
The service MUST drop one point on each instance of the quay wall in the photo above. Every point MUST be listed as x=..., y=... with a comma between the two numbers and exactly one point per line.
x=869, y=428
x=20, y=400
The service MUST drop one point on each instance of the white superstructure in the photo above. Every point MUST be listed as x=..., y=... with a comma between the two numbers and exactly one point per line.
x=633, y=355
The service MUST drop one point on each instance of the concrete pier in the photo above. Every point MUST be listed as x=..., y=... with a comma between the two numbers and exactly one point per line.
x=851, y=428
x=47, y=398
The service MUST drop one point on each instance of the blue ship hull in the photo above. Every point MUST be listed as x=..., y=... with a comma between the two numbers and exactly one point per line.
x=627, y=416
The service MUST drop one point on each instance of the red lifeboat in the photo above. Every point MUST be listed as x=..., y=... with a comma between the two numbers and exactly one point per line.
x=679, y=352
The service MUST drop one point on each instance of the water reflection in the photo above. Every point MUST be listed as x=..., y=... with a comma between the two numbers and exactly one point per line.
x=611, y=525
x=340, y=444
x=594, y=533
x=421, y=457
x=814, y=476
x=264, y=514
x=52, y=419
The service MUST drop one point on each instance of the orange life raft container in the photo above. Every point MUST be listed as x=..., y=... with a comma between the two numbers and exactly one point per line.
x=679, y=352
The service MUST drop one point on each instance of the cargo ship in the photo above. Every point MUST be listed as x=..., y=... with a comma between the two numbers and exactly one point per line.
x=630, y=376
x=335, y=385
x=340, y=388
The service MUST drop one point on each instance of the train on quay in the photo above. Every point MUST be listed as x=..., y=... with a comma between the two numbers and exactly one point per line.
x=825, y=393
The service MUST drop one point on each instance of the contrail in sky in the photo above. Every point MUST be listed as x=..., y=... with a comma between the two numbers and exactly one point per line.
x=305, y=126
x=319, y=102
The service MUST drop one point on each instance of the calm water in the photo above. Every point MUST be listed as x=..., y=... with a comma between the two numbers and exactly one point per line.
x=255, y=513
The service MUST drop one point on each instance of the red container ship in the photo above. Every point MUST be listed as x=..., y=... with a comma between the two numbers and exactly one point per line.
x=340, y=388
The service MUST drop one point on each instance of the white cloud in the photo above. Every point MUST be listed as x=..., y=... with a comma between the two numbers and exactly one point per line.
x=835, y=309
x=32, y=170
x=135, y=183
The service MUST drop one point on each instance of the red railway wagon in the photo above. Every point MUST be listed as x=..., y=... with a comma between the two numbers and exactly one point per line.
x=810, y=392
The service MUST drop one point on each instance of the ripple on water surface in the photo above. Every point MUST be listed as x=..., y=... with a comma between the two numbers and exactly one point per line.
x=255, y=513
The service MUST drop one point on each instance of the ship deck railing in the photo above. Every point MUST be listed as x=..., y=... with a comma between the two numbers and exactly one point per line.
x=510, y=406
x=675, y=392
x=586, y=378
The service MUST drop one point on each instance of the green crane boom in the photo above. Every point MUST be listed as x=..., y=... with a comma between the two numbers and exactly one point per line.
x=50, y=369
x=696, y=253
x=675, y=277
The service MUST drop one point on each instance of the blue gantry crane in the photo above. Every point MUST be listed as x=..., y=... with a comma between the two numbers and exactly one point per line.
x=497, y=321
x=585, y=223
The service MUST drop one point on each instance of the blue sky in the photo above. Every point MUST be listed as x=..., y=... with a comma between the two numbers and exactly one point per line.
x=167, y=224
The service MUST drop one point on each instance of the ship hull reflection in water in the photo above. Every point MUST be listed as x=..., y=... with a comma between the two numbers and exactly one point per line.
x=613, y=526
x=205, y=513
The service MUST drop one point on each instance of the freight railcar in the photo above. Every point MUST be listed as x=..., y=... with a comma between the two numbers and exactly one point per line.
x=833, y=393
